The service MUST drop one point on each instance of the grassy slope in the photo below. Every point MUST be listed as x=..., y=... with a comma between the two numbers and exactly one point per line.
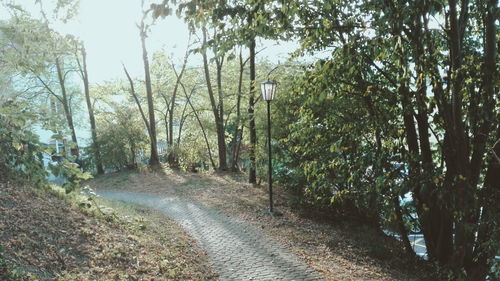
x=46, y=236
x=338, y=250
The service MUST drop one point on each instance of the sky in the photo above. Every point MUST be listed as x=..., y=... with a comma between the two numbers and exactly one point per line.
x=108, y=29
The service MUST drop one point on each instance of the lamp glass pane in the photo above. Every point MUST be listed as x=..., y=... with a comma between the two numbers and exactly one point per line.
x=268, y=90
x=263, y=90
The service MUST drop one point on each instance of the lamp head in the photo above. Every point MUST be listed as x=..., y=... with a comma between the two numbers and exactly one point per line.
x=268, y=89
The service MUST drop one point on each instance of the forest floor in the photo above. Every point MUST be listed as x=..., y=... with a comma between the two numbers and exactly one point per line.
x=336, y=250
x=46, y=235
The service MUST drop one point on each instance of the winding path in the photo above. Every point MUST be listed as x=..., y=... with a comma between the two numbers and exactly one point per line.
x=238, y=251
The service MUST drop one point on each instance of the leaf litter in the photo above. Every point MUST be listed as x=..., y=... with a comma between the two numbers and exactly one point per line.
x=46, y=236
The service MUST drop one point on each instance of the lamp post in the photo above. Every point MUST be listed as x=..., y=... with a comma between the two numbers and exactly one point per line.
x=268, y=90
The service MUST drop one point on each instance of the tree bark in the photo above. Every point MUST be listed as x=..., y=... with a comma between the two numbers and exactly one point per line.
x=403, y=231
x=95, y=144
x=172, y=155
x=154, y=160
x=478, y=266
x=217, y=108
x=238, y=133
x=136, y=99
x=66, y=106
x=188, y=98
x=252, y=174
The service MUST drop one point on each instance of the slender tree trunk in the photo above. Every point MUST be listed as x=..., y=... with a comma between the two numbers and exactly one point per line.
x=478, y=267
x=238, y=133
x=188, y=98
x=221, y=131
x=132, y=153
x=170, y=135
x=167, y=128
x=136, y=99
x=181, y=125
x=252, y=175
x=95, y=144
x=403, y=231
x=66, y=106
x=216, y=109
x=489, y=198
x=153, y=161
x=457, y=158
x=172, y=155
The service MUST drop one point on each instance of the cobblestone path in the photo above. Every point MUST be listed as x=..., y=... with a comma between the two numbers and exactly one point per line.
x=238, y=251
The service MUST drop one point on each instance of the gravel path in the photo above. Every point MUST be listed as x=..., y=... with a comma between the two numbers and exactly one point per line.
x=238, y=251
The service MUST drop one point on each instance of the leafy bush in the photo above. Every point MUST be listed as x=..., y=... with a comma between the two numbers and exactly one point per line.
x=20, y=149
x=71, y=173
x=120, y=138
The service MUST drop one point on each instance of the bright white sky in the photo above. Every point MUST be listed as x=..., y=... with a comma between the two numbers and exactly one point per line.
x=108, y=28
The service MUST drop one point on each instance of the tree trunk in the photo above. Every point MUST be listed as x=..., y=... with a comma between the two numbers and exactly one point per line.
x=478, y=267
x=136, y=99
x=184, y=116
x=153, y=161
x=221, y=131
x=172, y=155
x=458, y=171
x=217, y=109
x=95, y=144
x=252, y=175
x=66, y=106
x=403, y=231
x=236, y=143
x=201, y=125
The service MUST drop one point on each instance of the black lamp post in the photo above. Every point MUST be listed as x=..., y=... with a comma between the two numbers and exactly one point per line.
x=268, y=90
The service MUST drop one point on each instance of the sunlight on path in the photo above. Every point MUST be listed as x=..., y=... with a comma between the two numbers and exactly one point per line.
x=237, y=250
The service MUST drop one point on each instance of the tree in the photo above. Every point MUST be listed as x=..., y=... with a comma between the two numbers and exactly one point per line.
x=120, y=135
x=44, y=58
x=170, y=97
x=239, y=125
x=143, y=30
x=82, y=67
x=198, y=15
x=437, y=79
x=216, y=105
x=198, y=119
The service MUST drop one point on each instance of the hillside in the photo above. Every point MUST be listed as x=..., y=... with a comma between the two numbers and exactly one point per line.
x=46, y=236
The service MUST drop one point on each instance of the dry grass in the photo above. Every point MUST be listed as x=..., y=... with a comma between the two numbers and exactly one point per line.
x=338, y=250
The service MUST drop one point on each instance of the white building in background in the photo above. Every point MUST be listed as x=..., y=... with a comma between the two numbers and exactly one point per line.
x=59, y=145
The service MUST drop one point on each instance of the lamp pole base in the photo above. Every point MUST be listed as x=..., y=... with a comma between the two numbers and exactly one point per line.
x=274, y=213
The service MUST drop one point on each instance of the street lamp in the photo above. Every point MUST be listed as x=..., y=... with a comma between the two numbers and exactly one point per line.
x=268, y=90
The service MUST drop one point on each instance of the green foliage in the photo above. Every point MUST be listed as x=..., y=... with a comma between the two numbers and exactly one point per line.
x=121, y=136
x=329, y=138
x=359, y=123
x=20, y=150
x=72, y=173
